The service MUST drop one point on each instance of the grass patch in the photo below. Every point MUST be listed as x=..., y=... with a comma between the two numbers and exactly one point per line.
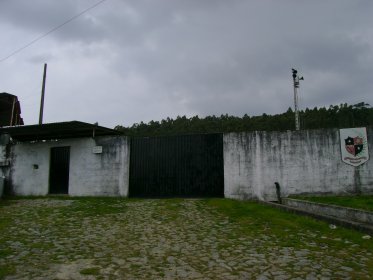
x=81, y=206
x=4, y=222
x=256, y=218
x=5, y=252
x=5, y=202
x=255, y=214
x=90, y=271
x=98, y=206
x=6, y=270
x=364, y=202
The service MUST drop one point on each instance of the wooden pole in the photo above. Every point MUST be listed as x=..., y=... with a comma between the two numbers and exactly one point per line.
x=42, y=95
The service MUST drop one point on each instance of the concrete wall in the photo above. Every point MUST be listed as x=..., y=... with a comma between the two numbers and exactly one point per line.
x=303, y=162
x=4, y=162
x=91, y=174
x=339, y=212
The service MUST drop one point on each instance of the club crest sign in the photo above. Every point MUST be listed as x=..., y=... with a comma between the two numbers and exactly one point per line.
x=354, y=145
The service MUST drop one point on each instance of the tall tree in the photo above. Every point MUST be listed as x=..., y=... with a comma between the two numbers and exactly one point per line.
x=338, y=116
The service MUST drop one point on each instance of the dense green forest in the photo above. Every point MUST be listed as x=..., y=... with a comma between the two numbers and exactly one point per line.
x=341, y=116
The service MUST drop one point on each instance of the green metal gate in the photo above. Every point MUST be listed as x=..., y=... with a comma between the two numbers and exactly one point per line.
x=177, y=166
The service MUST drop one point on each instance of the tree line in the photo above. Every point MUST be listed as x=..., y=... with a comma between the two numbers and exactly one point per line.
x=338, y=116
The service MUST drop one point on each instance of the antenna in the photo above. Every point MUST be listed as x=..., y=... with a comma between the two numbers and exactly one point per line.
x=296, y=80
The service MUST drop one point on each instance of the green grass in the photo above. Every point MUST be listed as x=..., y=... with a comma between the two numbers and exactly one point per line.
x=81, y=206
x=364, y=202
x=6, y=270
x=286, y=229
x=90, y=271
x=255, y=218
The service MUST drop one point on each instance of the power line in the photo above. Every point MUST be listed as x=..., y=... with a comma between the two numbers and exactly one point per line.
x=51, y=31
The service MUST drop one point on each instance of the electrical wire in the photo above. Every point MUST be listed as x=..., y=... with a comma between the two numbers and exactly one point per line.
x=51, y=31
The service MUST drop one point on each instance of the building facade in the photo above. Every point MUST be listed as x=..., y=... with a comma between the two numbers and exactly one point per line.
x=81, y=159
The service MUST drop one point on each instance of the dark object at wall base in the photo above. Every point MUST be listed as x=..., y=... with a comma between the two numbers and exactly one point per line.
x=278, y=192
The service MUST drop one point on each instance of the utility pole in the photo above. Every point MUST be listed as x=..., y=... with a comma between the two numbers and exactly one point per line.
x=42, y=95
x=296, y=80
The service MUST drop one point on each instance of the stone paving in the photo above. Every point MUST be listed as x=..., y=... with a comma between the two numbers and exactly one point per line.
x=158, y=239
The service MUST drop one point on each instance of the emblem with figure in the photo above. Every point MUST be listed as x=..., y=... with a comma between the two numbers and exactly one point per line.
x=354, y=145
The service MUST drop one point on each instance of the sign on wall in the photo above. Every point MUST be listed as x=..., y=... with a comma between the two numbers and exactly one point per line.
x=97, y=149
x=354, y=145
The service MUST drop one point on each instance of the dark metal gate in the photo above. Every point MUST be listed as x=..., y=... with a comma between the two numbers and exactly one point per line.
x=59, y=170
x=177, y=166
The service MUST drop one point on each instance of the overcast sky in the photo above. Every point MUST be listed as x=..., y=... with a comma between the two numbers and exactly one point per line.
x=127, y=61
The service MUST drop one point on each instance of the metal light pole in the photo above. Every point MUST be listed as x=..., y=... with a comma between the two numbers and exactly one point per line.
x=296, y=80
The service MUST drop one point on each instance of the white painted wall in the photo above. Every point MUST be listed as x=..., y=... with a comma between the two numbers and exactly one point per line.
x=26, y=180
x=302, y=162
x=4, y=163
x=105, y=174
x=2, y=153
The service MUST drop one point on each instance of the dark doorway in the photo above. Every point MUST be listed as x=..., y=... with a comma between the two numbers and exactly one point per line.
x=59, y=170
x=177, y=166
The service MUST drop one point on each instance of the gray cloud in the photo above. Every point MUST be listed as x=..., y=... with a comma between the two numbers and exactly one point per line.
x=127, y=61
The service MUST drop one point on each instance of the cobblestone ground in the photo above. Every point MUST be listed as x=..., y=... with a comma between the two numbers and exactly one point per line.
x=157, y=239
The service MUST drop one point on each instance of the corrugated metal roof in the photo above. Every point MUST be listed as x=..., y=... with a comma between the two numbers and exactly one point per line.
x=61, y=130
